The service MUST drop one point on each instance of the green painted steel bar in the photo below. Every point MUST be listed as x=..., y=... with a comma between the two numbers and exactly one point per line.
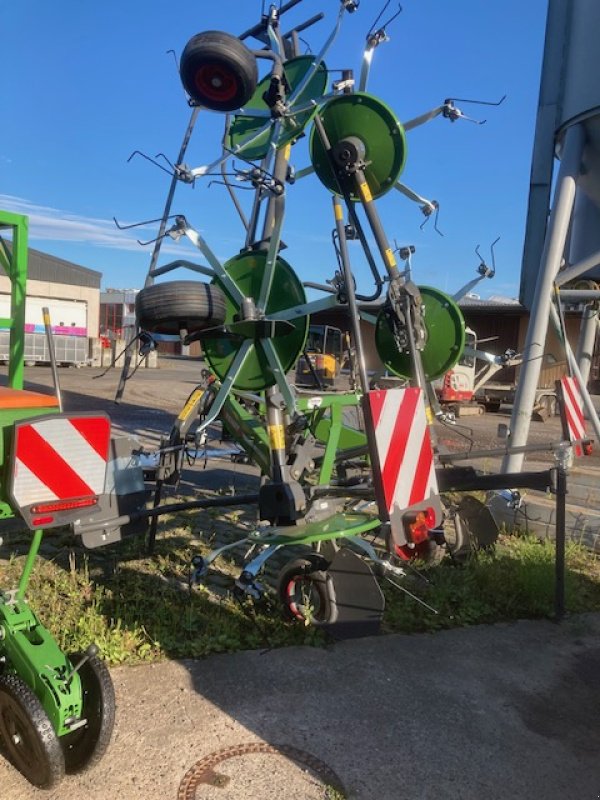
x=332, y=444
x=37, y=659
x=340, y=525
x=31, y=556
x=249, y=432
x=17, y=272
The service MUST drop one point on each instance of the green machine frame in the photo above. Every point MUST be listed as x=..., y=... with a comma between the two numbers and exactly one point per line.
x=36, y=677
x=27, y=647
x=14, y=263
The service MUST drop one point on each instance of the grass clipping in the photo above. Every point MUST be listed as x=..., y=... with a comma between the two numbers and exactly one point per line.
x=141, y=609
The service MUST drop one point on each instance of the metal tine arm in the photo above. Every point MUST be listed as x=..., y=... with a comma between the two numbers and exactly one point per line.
x=312, y=307
x=319, y=58
x=449, y=111
x=214, y=554
x=374, y=39
x=366, y=68
x=292, y=112
x=254, y=566
x=183, y=228
x=427, y=206
x=483, y=272
x=226, y=385
x=423, y=118
x=189, y=175
x=468, y=287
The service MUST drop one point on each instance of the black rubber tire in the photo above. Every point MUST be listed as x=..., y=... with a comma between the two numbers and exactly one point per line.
x=218, y=71
x=170, y=307
x=28, y=737
x=306, y=576
x=84, y=747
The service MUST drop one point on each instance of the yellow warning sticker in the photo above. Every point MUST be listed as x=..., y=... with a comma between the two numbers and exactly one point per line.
x=338, y=211
x=277, y=437
x=287, y=152
x=389, y=257
x=189, y=406
x=366, y=192
x=429, y=415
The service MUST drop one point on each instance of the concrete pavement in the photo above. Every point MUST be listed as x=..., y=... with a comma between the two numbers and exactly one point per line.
x=495, y=712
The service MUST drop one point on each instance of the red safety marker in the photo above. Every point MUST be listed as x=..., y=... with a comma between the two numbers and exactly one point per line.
x=572, y=409
x=404, y=451
x=59, y=463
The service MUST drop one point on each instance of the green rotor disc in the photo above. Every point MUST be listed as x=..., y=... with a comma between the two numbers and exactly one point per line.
x=363, y=117
x=247, y=270
x=445, y=328
x=244, y=126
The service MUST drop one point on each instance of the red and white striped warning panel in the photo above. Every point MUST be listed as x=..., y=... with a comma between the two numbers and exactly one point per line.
x=404, y=450
x=572, y=413
x=59, y=465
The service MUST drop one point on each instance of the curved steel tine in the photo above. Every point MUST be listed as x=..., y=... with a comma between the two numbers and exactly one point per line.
x=151, y=160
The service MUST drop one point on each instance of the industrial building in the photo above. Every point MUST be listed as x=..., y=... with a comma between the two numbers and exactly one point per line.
x=72, y=295
x=117, y=312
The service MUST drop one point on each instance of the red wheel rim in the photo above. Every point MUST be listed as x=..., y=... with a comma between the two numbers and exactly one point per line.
x=216, y=82
x=290, y=593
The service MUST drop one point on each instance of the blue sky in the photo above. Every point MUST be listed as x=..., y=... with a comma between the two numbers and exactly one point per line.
x=86, y=83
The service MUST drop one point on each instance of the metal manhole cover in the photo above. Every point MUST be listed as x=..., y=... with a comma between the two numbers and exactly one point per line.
x=243, y=771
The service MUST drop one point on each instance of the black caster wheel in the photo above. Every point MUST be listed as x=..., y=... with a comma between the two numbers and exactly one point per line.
x=84, y=747
x=28, y=737
x=302, y=588
x=218, y=71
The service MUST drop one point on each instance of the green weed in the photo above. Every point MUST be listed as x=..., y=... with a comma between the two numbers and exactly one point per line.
x=141, y=609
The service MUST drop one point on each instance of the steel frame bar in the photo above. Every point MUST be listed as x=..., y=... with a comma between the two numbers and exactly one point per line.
x=554, y=246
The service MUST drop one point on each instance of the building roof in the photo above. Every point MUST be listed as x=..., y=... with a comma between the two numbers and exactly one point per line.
x=45, y=267
x=112, y=296
x=492, y=306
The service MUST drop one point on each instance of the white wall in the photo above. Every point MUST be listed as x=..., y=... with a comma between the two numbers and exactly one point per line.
x=64, y=291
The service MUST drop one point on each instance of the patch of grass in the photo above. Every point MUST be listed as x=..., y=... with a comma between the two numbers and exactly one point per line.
x=141, y=609
x=514, y=581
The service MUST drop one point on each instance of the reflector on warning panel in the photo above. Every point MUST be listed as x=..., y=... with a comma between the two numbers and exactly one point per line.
x=572, y=416
x=58, y=467
x=405, y=470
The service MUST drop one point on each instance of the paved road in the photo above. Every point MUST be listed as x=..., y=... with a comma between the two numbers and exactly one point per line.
x=500, y=712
